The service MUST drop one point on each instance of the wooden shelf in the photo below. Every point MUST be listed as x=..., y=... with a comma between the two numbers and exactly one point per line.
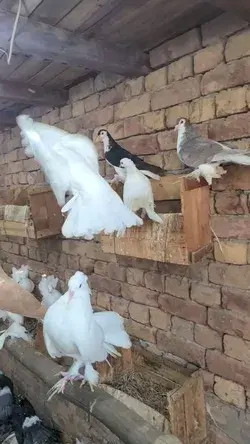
x=183, y=238
x=30, y=212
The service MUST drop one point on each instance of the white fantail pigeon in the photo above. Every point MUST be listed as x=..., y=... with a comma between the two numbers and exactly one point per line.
x=47, y=288
x=137, y=190
x=72, y=329
x=21, y=276
x=205, y=155
x=94, y=207
x=55, y=172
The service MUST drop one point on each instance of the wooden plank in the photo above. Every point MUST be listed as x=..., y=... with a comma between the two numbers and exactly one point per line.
x=196, y=216
x=22, y=93
x=87, y=13
x=240, y=8
x=46, y=213
x=5, y=69
x=67, y=77
x=27, y=6
x=187, y=411
x=48, y=73
x=159, y=242
x=48, y=42
x=52, y=12
x=29, y=68
x=167, y=188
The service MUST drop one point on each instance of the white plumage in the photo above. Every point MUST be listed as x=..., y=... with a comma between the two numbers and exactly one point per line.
x=55, y=168
x=137, y=190
x=47, y=288
x=94, y=207
x=15, y=330
x=72, y=329
x=21, y=277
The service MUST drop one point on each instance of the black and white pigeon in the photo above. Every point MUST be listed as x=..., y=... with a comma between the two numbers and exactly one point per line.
x=6, y=398
x=29, y=429
x=114, y=153
x=206, y=155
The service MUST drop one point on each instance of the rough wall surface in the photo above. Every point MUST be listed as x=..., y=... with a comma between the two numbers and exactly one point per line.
x=199, y=315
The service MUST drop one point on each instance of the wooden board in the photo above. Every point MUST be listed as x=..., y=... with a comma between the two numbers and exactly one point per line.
x=187, y=410
x=163, y=243
x=196, y=215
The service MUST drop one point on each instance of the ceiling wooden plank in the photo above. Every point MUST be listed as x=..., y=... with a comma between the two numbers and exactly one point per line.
x=48, y=73
x=29, y=68
x=23, y=93
x=67, y=77
x=47, y=42
x=51, y=12
x=27, y=6
x=5, y=69
x=239, y=7
x=87, y=13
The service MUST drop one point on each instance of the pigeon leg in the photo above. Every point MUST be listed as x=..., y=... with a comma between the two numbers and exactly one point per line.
x=59, y=387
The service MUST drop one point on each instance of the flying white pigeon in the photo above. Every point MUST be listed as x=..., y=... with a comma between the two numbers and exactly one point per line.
x=72, y=329
x=54, y=168
x=205, y=155
x=137, y=190
x=94, y=207
x=47, y=288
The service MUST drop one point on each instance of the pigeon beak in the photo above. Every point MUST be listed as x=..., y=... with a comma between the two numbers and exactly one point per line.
x=97, y=139
x=176, y=127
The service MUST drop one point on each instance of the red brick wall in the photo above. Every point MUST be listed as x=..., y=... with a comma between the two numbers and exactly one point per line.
x=200, y=314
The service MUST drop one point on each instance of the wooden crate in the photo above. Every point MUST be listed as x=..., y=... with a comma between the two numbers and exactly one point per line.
x=30, y=212
x=183, y=238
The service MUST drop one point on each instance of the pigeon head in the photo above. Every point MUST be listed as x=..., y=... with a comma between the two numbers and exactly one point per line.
x=127, y=164
x=77, y=281
x=181, y=124
x=102, y=136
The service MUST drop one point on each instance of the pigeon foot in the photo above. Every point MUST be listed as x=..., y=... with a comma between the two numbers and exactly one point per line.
x=60, y=385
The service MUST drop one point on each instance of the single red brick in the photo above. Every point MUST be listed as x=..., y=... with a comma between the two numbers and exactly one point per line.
x=232, y=275
x=154, y=281
x=135, y=276
x=139, y=313
x=236, y=300
x=182, y=328
x=237, y=348
x=177, y=286
x=101, y=268
x=190, y=351
x=140, y=331
x=116, y=272
x=208, y=295
x=207, y=337
x=103, y=300
x=120, y=306
x=140, y=295
x=159, y=319
x=227, y=367
x=104, y=284
x=184, y=309
x=226, y=321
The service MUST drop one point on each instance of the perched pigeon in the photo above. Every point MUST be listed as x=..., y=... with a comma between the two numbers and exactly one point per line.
x=137, y=190
x=114, y=153
x=15, y=330
x=94, y=207
x=54, y=167
x=21, y=277
x=29, y=429
x=72, y=329
x=47, y=288
x=6, y=398
x=205, y=155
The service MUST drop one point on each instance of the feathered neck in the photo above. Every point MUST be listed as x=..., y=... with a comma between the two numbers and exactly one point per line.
x=186, y=133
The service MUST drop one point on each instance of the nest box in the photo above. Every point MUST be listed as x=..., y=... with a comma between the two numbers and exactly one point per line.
x=185, y=235
x=30, y=211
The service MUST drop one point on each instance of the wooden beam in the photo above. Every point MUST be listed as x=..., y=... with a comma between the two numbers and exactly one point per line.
x=48, y=42
x=240, y=8
x=32, y=95
x=7, y=119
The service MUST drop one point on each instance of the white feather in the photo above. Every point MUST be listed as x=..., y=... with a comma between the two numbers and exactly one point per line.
x=47, y=288
x=137, y=191
x=237, y=158
x=72, y=329
x=14, y=331
x=21, y=277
